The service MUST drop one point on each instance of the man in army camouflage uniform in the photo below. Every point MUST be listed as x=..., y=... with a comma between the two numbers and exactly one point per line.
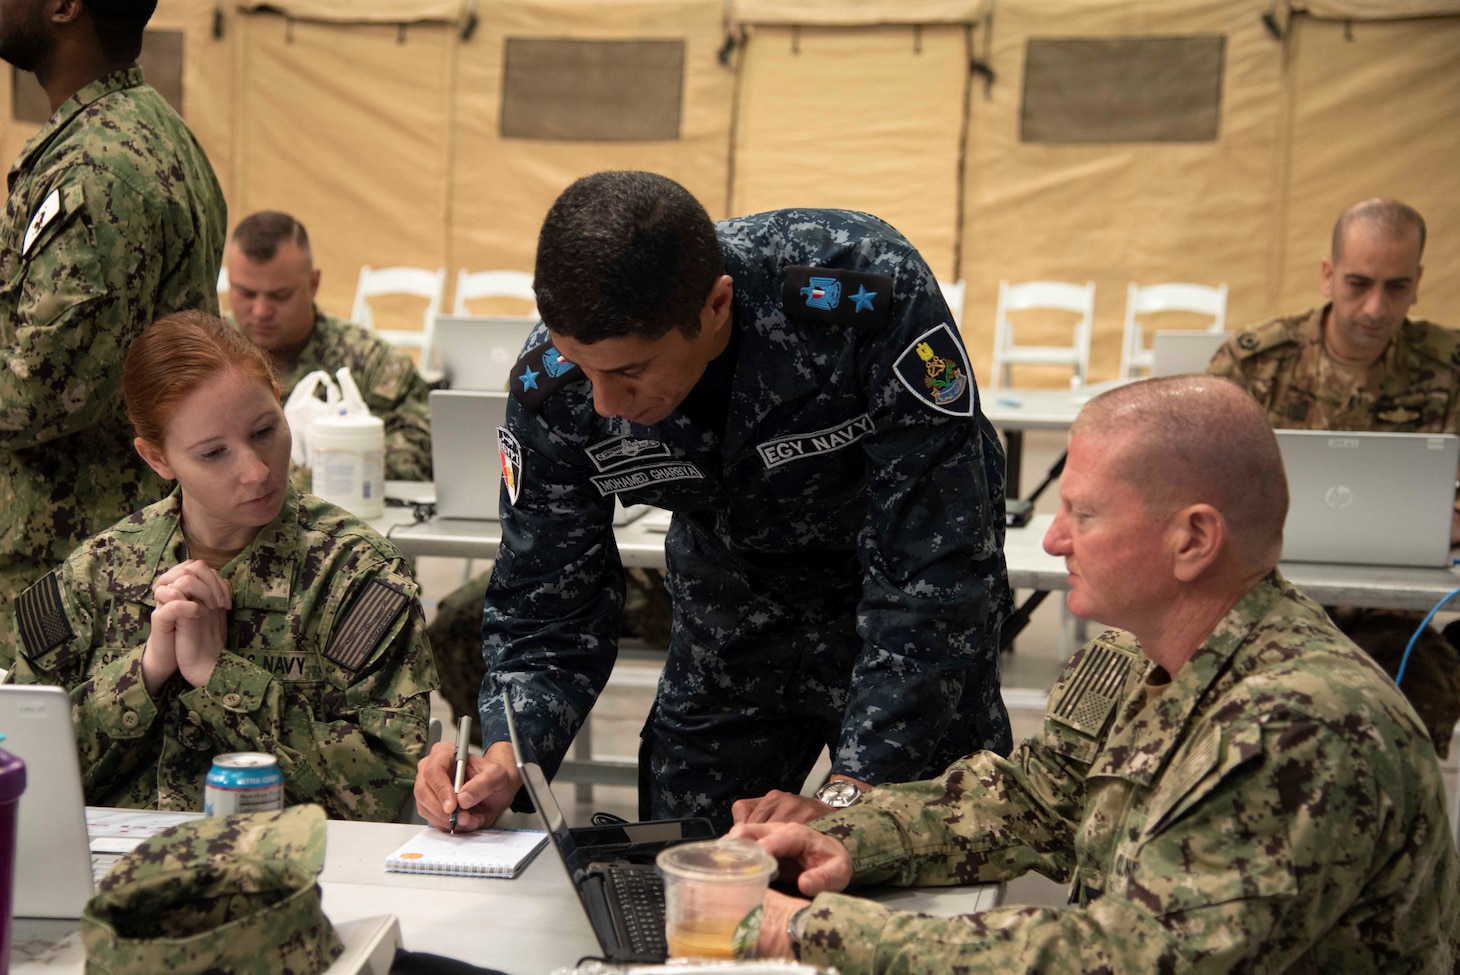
x=272, y=282
x=835, y=559
x=1358, y=363
x=1228, y=783
x=114, y=219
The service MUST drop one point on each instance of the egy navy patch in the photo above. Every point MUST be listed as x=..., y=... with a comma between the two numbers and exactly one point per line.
x=934, y=368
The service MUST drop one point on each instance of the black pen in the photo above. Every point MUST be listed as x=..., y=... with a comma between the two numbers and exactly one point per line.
x=463, y=739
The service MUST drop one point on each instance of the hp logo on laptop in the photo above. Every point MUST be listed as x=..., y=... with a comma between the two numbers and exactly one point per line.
x=1338, y=497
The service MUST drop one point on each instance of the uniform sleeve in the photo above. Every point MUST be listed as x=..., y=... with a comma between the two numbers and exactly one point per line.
x=88, y=287
x=935, y=589
x=119, y=726
x=355, y=751
x=550, y=624
x=1244, y=867
x=397, y=394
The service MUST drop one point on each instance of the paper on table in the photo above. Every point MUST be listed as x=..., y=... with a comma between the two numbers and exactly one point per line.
x=485, y=853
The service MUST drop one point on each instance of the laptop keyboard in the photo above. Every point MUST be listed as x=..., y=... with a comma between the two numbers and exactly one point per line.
x=102, y=863
x=636, y=904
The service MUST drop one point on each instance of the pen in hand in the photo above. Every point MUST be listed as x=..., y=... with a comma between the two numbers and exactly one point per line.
x=463, y=739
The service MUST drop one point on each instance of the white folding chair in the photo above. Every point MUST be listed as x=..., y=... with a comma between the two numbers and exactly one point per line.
x=1055, y=295
x=1199, y=299
x=223, y=286
x=953, y=294
x=494, y=284
x=377, y=281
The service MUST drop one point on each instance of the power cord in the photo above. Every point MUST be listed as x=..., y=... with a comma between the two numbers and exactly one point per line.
x=1404, y=660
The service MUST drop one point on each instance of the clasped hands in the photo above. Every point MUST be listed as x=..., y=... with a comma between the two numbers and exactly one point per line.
x=189, y=625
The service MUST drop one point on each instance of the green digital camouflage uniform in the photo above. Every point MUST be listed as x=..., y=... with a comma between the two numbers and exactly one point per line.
x=388, y=382
x=226, y=894
x=326, y=665
x=114, y=219
x=1277, y=808
x=1282, y=364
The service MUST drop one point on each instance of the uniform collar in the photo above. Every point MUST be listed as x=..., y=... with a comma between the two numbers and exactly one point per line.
x=775, y=367
x=72, y=107
x=1143, y=736
x=262, y=575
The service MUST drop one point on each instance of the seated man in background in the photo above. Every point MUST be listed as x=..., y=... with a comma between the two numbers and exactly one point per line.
x=1358, y=363
x=1230, y=784
x=272, y=282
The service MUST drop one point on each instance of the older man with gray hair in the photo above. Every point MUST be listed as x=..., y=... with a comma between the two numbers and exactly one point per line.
x=1228, y=783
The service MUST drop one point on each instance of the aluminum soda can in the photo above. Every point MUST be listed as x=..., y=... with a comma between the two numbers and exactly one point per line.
x=243, y=782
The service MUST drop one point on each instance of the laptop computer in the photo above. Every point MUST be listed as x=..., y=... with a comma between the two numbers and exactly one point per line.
x=53, y=870
x=1369, y=498
x=465, y=457
x=479, y=351
x=610, y=867
x=1177, y=352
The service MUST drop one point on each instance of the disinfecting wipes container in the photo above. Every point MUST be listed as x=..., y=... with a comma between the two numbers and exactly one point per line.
x=347, y=461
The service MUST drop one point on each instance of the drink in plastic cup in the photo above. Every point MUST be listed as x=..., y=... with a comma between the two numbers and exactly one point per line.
x=713, y=890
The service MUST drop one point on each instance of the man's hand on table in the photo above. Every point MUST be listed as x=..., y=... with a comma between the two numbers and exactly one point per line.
x=785, y=807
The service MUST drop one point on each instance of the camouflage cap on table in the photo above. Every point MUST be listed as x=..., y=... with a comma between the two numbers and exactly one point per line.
x=228, y=894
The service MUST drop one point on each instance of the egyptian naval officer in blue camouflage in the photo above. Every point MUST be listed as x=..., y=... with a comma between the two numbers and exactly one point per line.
x=114, y=219
x=790, y=385
x=234, y=615
x=1229, y=784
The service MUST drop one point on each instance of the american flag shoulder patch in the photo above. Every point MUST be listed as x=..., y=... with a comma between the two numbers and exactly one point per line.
x=41, y=617
x=373, y=612
x=1093, y=689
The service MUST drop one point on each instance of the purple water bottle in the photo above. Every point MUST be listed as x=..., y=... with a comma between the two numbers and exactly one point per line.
x=12, y=784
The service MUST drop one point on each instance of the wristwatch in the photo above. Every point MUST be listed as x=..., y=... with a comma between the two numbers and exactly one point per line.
x=796, y=929
x=839, y=794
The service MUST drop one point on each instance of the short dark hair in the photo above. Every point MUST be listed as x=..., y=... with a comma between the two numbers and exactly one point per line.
x=1390, y=216
x=259, y=235
x=625, y=253
x=119, y=25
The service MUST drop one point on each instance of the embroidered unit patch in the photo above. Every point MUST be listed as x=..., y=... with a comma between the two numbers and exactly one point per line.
x=935, y=369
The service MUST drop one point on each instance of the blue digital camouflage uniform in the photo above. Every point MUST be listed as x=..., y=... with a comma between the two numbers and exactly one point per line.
x=1277, y=807
x=326, y=665
x=114, y=220
x=835, y=561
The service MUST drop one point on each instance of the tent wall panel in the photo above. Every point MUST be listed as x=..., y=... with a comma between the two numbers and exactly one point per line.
x=1116, y=213
x=358, y=153
x=1376, y=112
x=502, y=187
x=865, y=118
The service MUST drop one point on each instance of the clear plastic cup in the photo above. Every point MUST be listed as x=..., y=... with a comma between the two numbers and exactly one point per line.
x=713, y=891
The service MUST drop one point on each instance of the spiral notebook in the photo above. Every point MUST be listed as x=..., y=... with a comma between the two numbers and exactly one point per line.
x=484, y=853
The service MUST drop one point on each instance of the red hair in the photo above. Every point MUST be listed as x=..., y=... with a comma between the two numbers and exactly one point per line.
x=175, y=356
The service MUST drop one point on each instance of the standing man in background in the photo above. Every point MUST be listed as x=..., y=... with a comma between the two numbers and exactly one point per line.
x=272, y=282
x=114, y=219
x=1359, y=363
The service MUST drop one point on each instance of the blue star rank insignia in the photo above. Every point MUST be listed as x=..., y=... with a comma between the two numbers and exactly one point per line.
x=836, y=296
x=539, y=373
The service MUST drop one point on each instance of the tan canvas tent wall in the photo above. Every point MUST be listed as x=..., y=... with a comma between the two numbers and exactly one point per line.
x=437, y=132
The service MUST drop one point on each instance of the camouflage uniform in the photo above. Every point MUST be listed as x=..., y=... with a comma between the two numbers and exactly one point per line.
x=388, y=381
x=835, y=561
x=326, y=665
x=1284, y=366
x=1276, y=808
x=114, y=219
x=235, y=894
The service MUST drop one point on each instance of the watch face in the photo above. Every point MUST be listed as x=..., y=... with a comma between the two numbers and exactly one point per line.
x=839, y=794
